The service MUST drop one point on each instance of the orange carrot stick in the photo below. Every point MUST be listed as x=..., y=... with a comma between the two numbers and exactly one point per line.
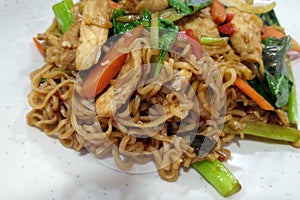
x=255, y=96
x=39, y=46
x=269, y=31
x=218, y=12
x=109, y=66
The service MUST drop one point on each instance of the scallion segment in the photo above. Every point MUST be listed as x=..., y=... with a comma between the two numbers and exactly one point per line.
x=218, y=176
x=270, y=131
x=64, y=15
x=223, y=41
x=292, y=102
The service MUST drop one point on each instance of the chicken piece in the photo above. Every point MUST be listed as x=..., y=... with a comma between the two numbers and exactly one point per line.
x=69, y=43
x=94, y=30
x=122, y=87
x=70, y=40
x=246, y=40
x=137, y=6
x=201, y=23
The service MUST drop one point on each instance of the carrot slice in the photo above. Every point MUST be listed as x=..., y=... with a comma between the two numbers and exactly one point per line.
x=269, y=31
x=108, y=67
x=255, y=96
x=114, y=5
x=39, y=46
x=218, y=12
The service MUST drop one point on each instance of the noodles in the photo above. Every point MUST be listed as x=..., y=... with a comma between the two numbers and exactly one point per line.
x=140, y=118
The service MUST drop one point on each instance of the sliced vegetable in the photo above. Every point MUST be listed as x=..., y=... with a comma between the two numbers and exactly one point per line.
x=168, y=34
x=39, y=47
x=270, y=131
x=222, y=41
x=229, y=17
x=270, y=31
x=123, y=23
x=109, y=66
x=226, y=29
x=261, y=87
x=64, y=15
x=269, y=18
x=280, y=87
x=218, y=12
x=218, y=176
x=189, y=7
x=292, y=102
x=255, y=96
x=171, y=14
x=276, y=74
x=252, y=8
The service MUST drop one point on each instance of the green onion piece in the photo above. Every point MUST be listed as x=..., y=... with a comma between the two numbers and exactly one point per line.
x=218, y=176
x=270, y=131
x=64, y=15
x=214, y=41
x=292, y=102
x=43, y=80
x=171, y=14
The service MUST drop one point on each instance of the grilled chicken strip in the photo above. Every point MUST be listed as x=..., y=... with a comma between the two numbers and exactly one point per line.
x=94, y=30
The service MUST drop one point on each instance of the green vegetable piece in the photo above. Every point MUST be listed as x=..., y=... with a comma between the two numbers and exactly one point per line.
x=180, y=6
x=222, y=41
x=168, y=34
x=43, y=80
x=276, y=74
x=274, y=54
x=280, y=87
x=123, y=23
x=197, y=5
x=171, y=14
x=261, y=88
x=269, y=131
x=190, y=6
x=292, y=103
x=64, y=15
x=218, y=176
x=269, y=18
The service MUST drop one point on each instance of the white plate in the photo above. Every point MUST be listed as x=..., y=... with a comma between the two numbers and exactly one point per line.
x=34, y=166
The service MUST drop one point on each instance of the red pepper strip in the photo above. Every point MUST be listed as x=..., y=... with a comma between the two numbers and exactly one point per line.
x=106, y=69
x=229, y=17
x=226, y=29
x=193, y=41
x=221, y=158
x=39, y=47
